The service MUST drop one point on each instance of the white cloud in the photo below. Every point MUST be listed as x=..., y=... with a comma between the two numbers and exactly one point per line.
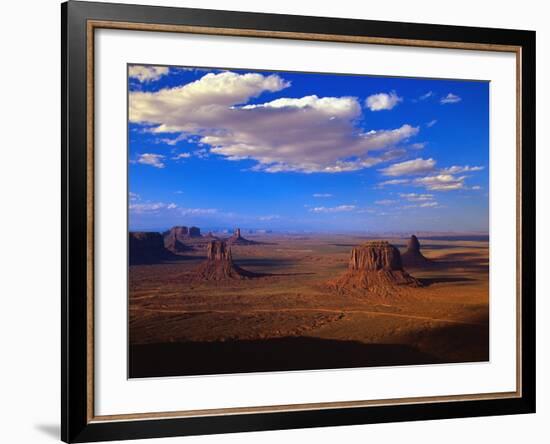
x=441, y=182
x=426, y=96
x=199, y=104
x=450, y=98
x=413, y=197
x=151, y=207
x=133, y=196
x=338, y=209
x=429, y=205
x=309, y=134
x=197, y=211
x=322, y=195
x=393, y=182
x=431, y=123
x=418, y=145
x=383, y=101
x=409, y=167
x=455, y=169
x=173, y=141
x=147, y=73
x=181, y=156
x=203, y=153
x=154, y=160
x=476, y=188
x=385, y=202
x=269, y=217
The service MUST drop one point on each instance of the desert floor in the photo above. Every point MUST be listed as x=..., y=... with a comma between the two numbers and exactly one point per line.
x=290, y=319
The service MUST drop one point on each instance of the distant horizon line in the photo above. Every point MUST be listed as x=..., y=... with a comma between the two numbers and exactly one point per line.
x=252, y=231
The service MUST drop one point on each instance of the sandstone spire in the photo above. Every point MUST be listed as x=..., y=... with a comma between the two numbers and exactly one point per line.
x=237, y=239
x=413, y=258
x=219, y=264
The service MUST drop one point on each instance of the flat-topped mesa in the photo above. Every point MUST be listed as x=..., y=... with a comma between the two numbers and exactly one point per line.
x=219, y=264
x=146, y=248
x=237, y=239
x=375, y=266
x=413, y=258
x=375, y=255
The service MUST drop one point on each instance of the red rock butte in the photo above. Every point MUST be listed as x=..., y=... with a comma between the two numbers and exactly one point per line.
x=219, y=264
x=375, y=266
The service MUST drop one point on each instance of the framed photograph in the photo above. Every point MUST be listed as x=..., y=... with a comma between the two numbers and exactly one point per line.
x=276, y=221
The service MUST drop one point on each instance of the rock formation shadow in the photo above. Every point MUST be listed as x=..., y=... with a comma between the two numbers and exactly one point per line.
x=275, y=354
x=443, y=280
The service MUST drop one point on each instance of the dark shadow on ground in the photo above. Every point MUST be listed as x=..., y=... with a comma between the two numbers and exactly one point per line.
x=276, y=354
x=171, y=259
x=467, y=261
x=466, y=237
x=263, y=262
x=443, y=279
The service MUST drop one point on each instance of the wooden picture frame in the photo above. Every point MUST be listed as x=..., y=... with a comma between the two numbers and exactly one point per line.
x=79, y=22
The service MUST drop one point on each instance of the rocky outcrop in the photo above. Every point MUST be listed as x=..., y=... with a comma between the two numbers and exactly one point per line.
x=194, y=232
x=174, y=240
x=146, y=248
x=237, y=239
x=413, y=258
x=219, y=264
x=375, y=266
x=180, y=239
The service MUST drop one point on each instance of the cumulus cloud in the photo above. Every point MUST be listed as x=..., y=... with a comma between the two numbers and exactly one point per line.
x=410, y=167
x=444, y=179
x=450, y=98
x=199, y=104
x=383, y=101
x=309, y=134
x=155, y=160
x=441, y=182
x=431, y=123
x=147, y=73
x=322, y=195
x=338, y=209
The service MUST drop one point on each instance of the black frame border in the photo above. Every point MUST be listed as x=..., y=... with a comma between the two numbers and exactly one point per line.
x=75, y=424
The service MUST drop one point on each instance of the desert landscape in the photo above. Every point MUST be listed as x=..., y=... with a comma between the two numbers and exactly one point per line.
x=209, y=304
x=285, y=220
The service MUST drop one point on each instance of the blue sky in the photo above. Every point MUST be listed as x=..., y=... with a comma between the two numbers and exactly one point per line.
x=306, y=152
